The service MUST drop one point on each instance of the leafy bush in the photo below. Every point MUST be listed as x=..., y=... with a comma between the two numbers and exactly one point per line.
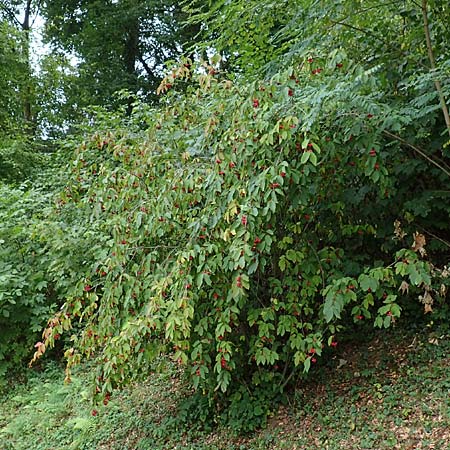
x=242, y=227
x=36, y=263
x=24, y=300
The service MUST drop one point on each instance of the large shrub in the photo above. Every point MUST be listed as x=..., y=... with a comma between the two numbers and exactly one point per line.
x=242, y=226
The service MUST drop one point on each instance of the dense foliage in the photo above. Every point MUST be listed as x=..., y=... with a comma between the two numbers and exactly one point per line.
x=119, y=45
x=257, y=212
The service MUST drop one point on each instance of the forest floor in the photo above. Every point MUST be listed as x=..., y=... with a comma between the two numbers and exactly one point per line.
x=392, y=391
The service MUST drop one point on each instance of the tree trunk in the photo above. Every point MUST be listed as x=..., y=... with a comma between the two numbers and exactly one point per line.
x=437, y=83
x=27, y=111
x=131, y=54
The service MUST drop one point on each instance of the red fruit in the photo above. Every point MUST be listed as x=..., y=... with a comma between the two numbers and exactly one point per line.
x=307, y=217
x=218, y=161
x=87, y=288
x=339, y=65
x=310, y=60
x=257, y=241
x=244, y=220
x=105, y=401
x=255, y=103
x=223, y=363
x=282, y=174
x=312, y=351
x=231, y=165
x=188, y=286
x=334, y=344
x=360, y=317
x=389, y=313
x=57, y=336
x=94, y=412
x=377, y=166
x=275, y=185
x=369, y=116
x=290, y=92
x=313, y=360
x=168, y=85
x=215, y=295
x=197, y=372
x=221, y=172
x=373, y=152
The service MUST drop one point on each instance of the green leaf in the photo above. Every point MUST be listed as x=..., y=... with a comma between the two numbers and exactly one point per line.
x=305, y=157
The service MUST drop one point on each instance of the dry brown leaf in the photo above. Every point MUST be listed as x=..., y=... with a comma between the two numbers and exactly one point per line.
x=419, y=243
x=404, y=287
x=427, y=301
x=398, y=231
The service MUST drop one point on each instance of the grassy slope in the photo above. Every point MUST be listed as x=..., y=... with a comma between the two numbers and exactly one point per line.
x=392, y=392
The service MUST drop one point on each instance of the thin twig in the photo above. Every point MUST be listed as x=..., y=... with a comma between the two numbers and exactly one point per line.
x=434, y=236
x=417, y=150
x=360, y=30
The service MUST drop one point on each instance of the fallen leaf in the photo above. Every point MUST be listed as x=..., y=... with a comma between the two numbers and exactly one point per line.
x=342, y=362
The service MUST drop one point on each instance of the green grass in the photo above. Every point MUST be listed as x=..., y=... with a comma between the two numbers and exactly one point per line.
x=390, y=392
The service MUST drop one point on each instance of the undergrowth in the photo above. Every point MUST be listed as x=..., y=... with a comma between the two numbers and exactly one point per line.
x=391, y=392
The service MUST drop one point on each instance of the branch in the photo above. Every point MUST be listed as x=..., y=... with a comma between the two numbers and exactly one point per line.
x=38, y=7
x=146, y=66
x=360, y=30
x=417, y=150
x=434, y=236
x=11, y=14
x=437, y=83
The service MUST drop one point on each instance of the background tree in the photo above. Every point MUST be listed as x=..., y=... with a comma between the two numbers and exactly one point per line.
x=120, y=44
x=21, y=15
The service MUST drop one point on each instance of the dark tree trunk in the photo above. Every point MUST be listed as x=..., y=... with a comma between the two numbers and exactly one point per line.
x=131, y=55
x=27, y=110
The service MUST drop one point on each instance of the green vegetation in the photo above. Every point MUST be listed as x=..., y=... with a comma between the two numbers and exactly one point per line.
x=390, y=391
x=284, y=188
